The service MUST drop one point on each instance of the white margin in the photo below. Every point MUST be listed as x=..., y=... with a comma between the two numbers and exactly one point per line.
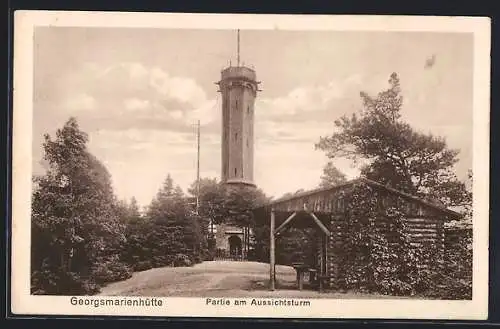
x=24, y=303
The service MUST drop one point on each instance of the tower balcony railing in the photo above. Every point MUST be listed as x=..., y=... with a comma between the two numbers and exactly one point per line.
x=238, y=72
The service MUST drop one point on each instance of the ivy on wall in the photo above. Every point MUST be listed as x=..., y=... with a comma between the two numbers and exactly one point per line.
x=379, y=256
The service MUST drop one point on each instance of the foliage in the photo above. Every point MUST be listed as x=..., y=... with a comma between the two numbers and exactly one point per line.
x=56, y=281
x=110, y=270
x=455, y=281
x=74, y=225
x=260, y=244
x=181, y=260
x=239, y=202
x=377, y=254
x=296, y=246
x=219, y=203
x=331, y=176
x=211, y=199
x=175, y=230
x=83, y=237
x=416, y=163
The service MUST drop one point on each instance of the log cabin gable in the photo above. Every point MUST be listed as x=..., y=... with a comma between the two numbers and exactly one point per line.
x=412, y=206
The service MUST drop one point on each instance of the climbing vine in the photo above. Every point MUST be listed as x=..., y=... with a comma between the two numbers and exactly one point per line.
x=378, y=255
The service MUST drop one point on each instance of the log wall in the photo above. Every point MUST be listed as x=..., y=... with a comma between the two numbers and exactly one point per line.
x=423, y=228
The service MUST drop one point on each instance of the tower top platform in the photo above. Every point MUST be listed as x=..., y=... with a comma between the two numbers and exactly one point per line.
x=238, y=72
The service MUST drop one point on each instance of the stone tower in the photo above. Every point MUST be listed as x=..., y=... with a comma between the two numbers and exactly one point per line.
x=238, y=87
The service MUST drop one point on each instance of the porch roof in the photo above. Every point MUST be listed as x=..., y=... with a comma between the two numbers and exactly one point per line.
x=298, y=201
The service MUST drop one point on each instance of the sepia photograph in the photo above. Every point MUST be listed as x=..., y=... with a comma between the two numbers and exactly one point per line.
x=238, y=167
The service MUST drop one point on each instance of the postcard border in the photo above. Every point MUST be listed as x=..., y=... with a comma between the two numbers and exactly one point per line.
x=25, y=21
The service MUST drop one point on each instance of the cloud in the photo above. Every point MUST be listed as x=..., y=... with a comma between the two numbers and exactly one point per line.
x=145, y=95
x=309, y=99
x=136, y=104
x=80, y=102
x=140, y=121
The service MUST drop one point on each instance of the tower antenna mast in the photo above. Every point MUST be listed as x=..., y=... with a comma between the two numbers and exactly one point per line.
x=238, y=51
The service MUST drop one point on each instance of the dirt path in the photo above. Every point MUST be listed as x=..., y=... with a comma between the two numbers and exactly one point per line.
x=202, y=279
x=215, y=279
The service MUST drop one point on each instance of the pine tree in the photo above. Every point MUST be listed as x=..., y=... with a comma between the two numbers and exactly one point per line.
x=397, y=155
x=176, y=233
x=331, y=176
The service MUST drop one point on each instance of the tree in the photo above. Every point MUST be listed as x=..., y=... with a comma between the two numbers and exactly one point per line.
x=211, y=199
x=239, y=202
x=176, y=231
x=74, y=225
x=397, y=155
x=134, y=208
x=128, y=211
x=221, y=203
x=331, y=176
x=224, y=203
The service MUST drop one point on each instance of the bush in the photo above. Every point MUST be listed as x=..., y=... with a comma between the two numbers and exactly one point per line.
x=161, y=261
x=182, y=260
x=197, y=259
x=54, y=281
x=110, y=271
x=209, y=255
x=143, y=266
x=455, y=289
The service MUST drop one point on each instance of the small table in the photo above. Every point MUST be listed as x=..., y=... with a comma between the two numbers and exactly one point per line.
x=301, y=269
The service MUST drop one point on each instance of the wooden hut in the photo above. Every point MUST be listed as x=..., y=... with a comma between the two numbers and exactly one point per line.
x=324, y=210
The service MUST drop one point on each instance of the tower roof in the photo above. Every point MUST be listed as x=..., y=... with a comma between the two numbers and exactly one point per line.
x=238, y=72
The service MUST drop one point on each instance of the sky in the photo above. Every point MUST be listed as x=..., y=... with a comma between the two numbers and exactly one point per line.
x=138, y=93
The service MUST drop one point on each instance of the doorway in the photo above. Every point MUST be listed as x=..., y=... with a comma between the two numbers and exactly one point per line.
x=235, y=246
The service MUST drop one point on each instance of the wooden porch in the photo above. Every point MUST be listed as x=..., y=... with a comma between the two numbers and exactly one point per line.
x=323, y=209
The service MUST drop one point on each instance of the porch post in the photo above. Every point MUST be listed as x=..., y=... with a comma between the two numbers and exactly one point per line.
x=271, y=252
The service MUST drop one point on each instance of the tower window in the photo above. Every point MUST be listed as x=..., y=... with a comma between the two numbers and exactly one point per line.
x=235, y=136
x=235, y=171
x=248, y=109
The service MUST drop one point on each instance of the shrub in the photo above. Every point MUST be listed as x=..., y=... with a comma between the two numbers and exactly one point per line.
x=143, y=266
x=209, y=255
x=54, y=281
x=454, y=289
x=110, y=271
x=197, y=259
x=160, y=261
x=181, y=260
